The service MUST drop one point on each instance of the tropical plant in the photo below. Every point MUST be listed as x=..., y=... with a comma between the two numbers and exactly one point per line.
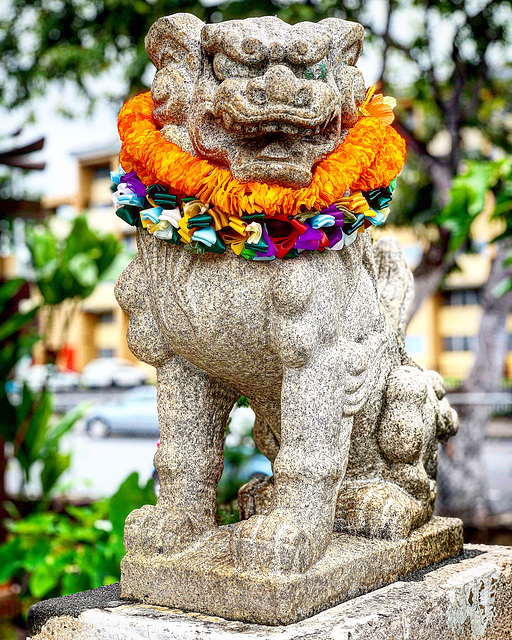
x=66, y=271
x=462, y=478
x=36, y=437
x=16, y=340
x=70, y=268
x=52, y=554
x=17, y=335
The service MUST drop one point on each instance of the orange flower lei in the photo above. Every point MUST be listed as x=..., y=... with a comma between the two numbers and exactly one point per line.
x=371, y=156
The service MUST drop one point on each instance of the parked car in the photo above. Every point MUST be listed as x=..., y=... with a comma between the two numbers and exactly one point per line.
x=133, y=413
x=54, y=378
x=108, y=372
x=63, y=380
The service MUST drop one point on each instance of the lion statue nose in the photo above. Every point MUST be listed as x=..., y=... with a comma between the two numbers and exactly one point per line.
x=279, y=85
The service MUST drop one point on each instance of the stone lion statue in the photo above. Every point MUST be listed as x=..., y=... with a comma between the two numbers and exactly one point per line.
x=315, y=341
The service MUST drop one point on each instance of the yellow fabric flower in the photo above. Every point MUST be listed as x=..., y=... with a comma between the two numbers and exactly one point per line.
x=356, y=203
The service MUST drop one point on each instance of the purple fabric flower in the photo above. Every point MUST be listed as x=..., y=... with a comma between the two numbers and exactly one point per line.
x=134, y=183
x=332, y=210
x=271, y=251
x=309, y=240
x=335, y=234
x=338, y=218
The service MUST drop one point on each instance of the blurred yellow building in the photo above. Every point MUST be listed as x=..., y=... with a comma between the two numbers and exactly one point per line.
x=442, y=335
x=98, y=326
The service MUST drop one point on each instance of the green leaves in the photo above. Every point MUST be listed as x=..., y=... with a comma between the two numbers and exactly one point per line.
x=54, y=467
x=84, y=269
x=16, y=339
x=61, y=553
x=10, y=559
x=70, y=268
x=64, y=269
x=33, y=416
x=44, y=578
x=468, y=197
x=75, y=41
x=128, y=497
x=8, y=290
x=36, y=436
x=15, y=323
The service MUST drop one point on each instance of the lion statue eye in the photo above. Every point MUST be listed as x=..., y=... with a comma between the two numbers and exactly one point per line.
x=225, y=68
x=316, y=71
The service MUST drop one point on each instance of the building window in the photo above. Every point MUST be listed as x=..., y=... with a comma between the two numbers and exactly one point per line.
x=106, y=353
x=101, y=172
x=414, y=344
x=459, y=297
x=106, y=317
x=459, y=343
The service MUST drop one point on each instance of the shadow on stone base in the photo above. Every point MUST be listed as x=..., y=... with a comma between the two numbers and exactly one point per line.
x=205, y=580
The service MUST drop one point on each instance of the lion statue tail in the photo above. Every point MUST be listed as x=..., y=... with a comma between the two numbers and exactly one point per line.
x=395, y=283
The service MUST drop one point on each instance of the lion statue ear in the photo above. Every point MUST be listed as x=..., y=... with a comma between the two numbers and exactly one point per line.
x=174, y=45
x=347, y=44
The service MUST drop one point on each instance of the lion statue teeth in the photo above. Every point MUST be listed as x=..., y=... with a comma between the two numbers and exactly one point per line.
x=316, y=343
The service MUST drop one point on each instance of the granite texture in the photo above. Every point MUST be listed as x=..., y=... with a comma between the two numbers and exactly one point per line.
x=348, y=420
x=262, y=97
x=465, y=598
x=206, y=579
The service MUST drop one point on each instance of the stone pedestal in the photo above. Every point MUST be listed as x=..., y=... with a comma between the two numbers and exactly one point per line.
x=205, y=578
x=462, y=598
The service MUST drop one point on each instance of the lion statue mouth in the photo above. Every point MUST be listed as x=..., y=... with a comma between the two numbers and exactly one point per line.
x=263, y=98
x=266, y=148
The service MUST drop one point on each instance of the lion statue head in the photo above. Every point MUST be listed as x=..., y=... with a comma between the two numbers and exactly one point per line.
x=266, y=99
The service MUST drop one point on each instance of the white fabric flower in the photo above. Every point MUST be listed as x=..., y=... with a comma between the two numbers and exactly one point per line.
x=173, y=216
x=254, y=230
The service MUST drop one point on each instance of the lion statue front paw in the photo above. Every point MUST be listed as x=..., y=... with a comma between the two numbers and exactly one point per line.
x=276, y=543
x=156, y=530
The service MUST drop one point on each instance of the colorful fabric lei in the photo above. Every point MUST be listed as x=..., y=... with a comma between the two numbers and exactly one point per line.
x=350, y=191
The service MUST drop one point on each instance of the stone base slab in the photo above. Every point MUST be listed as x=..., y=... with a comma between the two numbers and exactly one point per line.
x=462, y=598
x=205, y=579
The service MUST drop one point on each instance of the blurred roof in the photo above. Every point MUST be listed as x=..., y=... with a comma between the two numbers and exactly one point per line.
x=105, y=150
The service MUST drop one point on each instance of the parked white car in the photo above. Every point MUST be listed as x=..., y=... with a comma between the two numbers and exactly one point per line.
x=37, y=376
x=63, y=380
x=107, y=372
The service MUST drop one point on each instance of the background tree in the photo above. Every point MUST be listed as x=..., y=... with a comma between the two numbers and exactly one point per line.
x=447, y=62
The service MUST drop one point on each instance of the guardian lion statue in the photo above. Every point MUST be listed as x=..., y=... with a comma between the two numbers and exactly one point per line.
x=252, y=172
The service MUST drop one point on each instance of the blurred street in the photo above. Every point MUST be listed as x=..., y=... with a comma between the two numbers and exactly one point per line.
x=498, y=463
x=99, y=465
x=67, y=400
